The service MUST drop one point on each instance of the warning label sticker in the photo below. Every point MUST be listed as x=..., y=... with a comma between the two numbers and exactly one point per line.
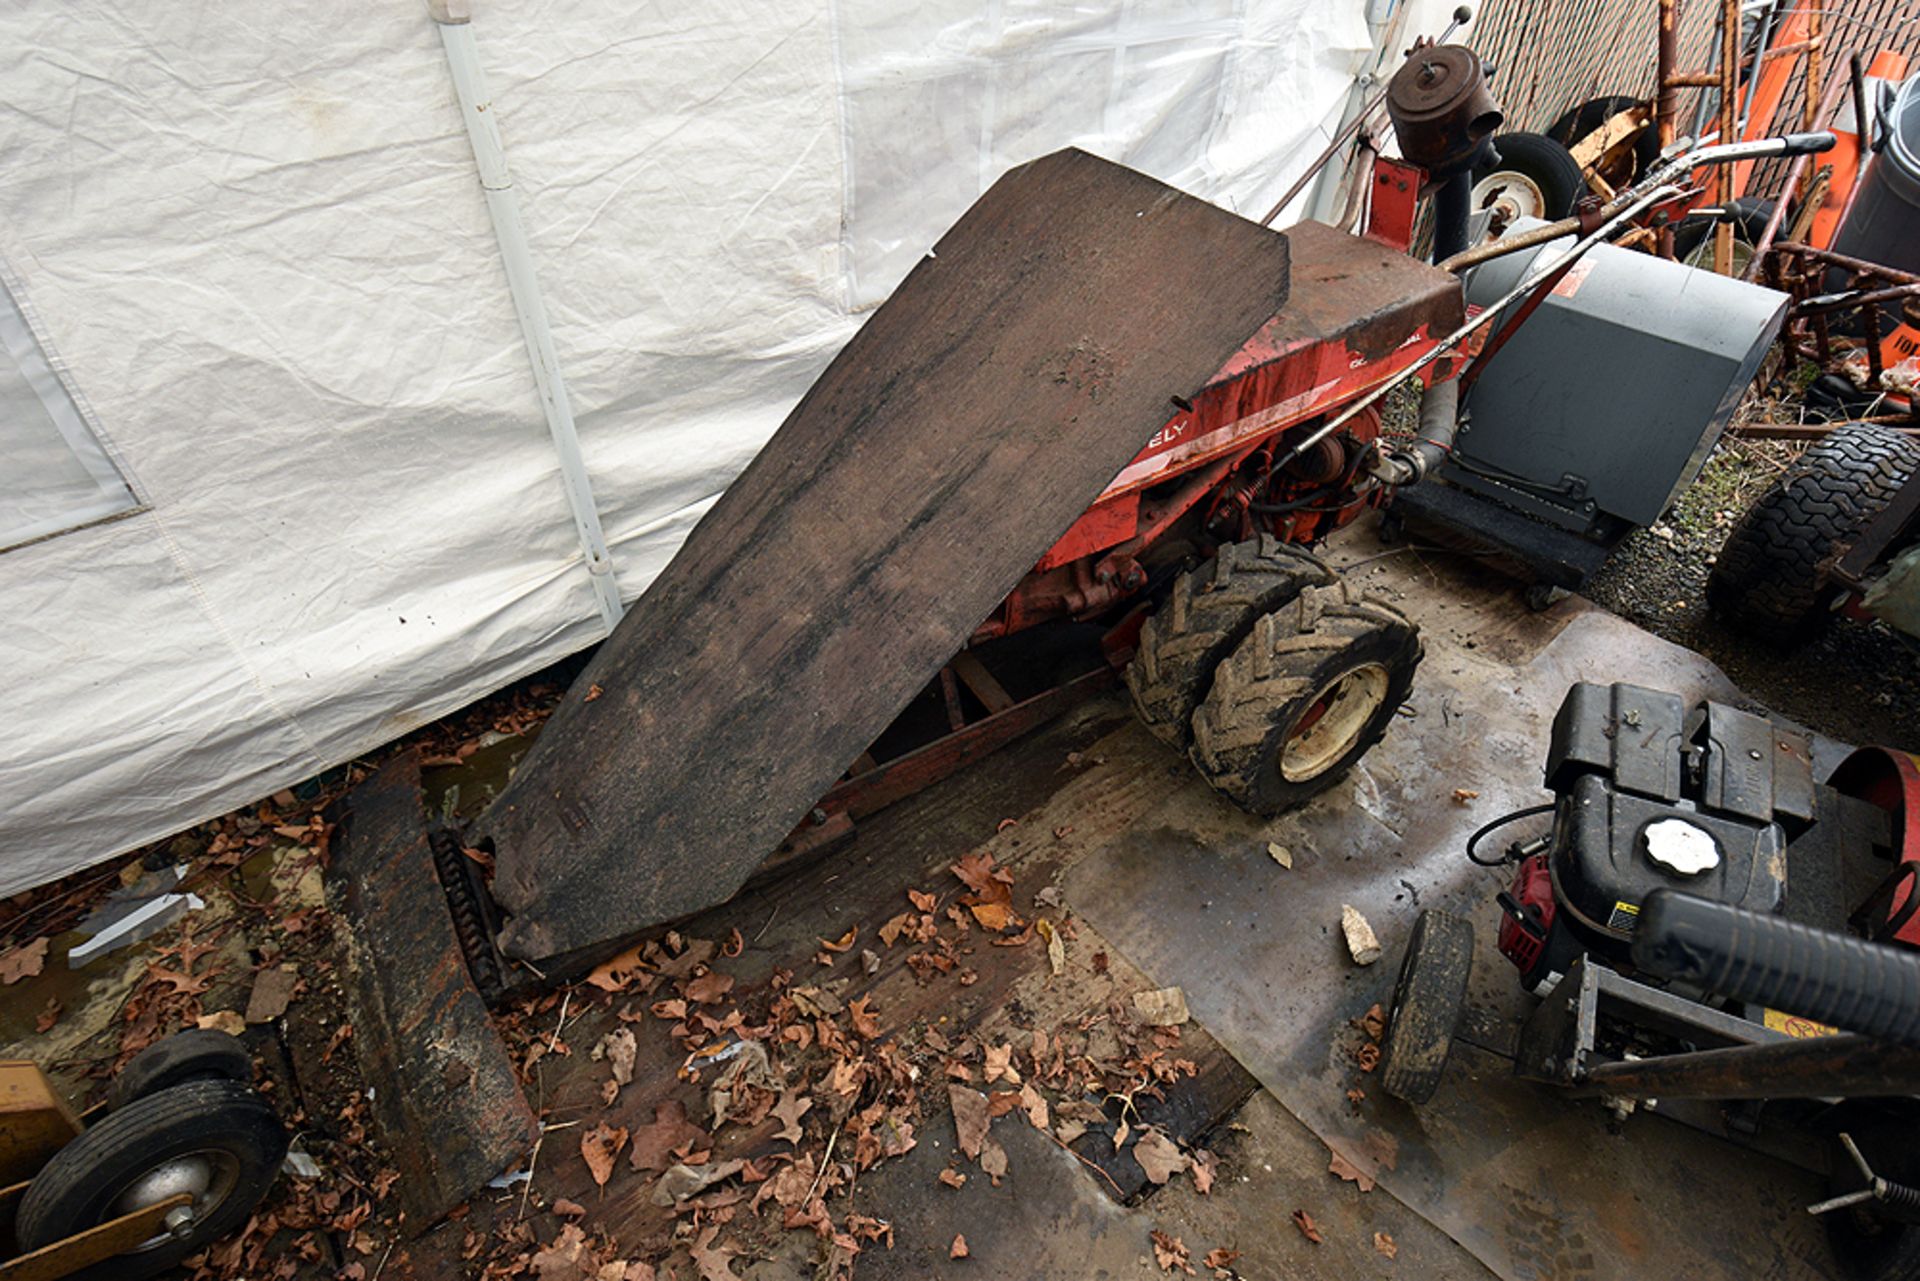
x=1794, y=1025
x=1625, y=916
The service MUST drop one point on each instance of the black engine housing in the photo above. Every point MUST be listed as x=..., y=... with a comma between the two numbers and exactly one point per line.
x=1650, y=795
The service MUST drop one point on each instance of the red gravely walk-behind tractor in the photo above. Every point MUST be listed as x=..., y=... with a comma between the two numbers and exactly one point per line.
x=1098, y=410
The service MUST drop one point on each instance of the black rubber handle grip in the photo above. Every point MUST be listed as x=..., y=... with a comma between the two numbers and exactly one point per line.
x=1831, y=978
x=1795, y=144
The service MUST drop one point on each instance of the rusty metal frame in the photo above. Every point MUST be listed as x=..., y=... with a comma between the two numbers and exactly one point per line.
x=1802, y=270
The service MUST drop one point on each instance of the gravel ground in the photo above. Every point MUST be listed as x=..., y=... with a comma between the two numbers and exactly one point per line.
x=1859, y=682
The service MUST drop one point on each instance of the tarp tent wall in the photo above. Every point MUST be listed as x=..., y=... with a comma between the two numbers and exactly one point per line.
x=246, y=249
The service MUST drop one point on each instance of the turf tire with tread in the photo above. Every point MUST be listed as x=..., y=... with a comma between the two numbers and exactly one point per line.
x=1768, y=575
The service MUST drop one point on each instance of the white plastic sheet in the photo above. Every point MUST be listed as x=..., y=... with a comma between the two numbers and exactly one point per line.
x=253, y=239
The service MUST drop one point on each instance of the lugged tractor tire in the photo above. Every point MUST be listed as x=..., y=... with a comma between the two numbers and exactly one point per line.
x=1309, y=690
x=1211, y=609
x=1768, y=575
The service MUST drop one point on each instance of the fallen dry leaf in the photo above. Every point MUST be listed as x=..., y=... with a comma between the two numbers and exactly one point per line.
x=1035, y=1106
x=273, y=990
x=1220, y=1258
x=619, y=973
x=1281, y=855
x=1385, y=1245
x=1170, y=1253
x=970, y=1119
x=709, y=987
x=598, y=1148
x=1304, y=1221
x=978, y=873
x=228, y=1021
x=921, y=900
x=864, y=1022
x=992, y=916
x=1462, y=795
x=1056, y=945
x=842, y=943
x=715, y=1262
x=654, y=1144
x=48, y=1016
x=1159, y=1156
x=1162, y=1007
x=568, y=1209
x=1205, y=1166
x=993, y=1161
x=959, y=1248
x=23, y=962
x=621, y=1048
x=1340, y=1167
x=952, y=1177
x=790, y=1109
x=1000, y=1064
x=1343, y=1168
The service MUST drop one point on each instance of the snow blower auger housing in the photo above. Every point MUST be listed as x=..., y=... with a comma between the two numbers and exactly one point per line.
x=1073, y=410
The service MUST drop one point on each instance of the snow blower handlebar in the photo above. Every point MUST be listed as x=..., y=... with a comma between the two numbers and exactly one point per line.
x=1849, y=983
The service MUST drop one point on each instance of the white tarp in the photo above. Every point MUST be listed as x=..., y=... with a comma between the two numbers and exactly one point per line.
x=251, y=239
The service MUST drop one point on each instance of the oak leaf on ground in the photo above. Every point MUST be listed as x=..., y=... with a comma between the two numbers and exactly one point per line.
x=1171, y=1253
x=598, y=1148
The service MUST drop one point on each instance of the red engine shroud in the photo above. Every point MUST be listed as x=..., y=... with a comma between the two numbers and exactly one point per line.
x=1360, y=313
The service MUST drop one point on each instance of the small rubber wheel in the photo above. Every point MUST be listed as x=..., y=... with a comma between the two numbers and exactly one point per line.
x=1768, y=575
x=1312, y=687
x=198, y=1054
x=1577, y=122
x=1210, y=610
x=217, y=1140
x=1534, y=177
x=1428, y=1000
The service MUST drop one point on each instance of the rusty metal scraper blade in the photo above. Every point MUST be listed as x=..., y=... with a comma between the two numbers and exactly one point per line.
x=447, y=1101
x=972, y=419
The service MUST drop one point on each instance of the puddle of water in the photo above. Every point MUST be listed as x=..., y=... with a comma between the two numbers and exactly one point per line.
x=459, y=792
x=21, y=1003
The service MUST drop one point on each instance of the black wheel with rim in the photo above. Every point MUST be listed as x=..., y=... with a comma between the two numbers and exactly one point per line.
x=217, y=1141
x=198, y=1054
x=1576, y=123
x=1313, y=686
x=1534, y=177
x=1209, y=610
x=1769, y=574
x=1429, y=999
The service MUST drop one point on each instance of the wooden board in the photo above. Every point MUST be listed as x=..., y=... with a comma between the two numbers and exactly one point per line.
x=424, y=1037
x=1013, y=374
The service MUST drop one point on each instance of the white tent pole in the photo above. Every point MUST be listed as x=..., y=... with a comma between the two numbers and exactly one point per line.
x=489, y=154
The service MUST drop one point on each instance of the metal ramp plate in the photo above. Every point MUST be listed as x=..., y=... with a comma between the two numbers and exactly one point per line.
x=1016, y=370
